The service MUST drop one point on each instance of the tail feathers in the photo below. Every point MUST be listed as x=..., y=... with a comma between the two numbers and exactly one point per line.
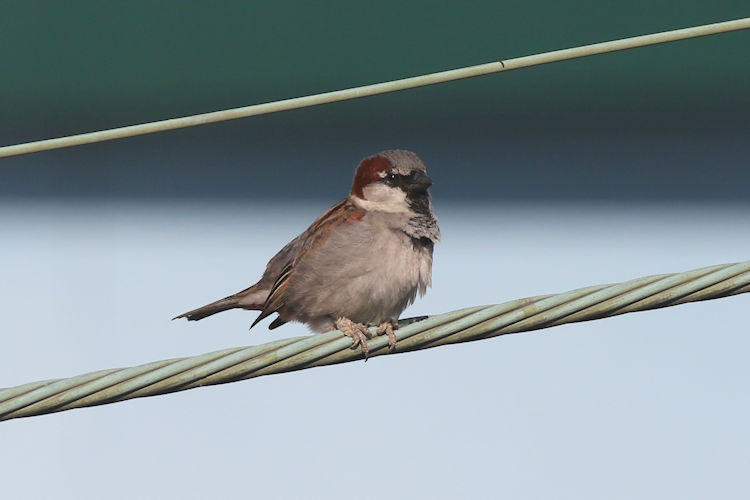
x=246, y=299
x=210, y=309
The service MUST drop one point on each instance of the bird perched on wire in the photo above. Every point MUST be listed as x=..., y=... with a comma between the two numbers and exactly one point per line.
x=359, y=264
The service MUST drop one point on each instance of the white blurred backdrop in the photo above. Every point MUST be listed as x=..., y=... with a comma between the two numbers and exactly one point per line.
x=645, y=405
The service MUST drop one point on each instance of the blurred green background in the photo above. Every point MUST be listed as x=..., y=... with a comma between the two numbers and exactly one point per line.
x=80, y=66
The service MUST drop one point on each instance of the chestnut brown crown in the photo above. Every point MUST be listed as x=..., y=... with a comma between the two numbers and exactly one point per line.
x=396, y=168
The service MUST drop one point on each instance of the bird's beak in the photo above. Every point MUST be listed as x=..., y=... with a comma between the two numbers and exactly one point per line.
x=419, y=181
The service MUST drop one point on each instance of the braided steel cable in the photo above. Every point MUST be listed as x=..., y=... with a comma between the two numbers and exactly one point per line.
x=474, y=323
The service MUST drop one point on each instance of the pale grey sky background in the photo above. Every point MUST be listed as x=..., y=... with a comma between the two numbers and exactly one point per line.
x=646, y=405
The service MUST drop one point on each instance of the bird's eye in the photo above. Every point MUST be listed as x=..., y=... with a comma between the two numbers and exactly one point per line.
x=390, y=177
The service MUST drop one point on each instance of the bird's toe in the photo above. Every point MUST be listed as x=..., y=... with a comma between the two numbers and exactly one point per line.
x=387, y=329
x=358, y=333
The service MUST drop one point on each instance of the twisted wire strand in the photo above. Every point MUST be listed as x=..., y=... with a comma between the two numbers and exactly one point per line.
x=474, y=323
x=378, y=88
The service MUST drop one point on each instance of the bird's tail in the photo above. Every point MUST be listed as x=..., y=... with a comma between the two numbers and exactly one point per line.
x=246, y=299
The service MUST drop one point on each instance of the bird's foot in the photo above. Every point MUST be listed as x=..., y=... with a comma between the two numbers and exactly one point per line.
x=357, y=331
x=387, y=329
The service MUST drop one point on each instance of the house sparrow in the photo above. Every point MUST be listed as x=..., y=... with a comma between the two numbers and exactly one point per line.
x=361, y=263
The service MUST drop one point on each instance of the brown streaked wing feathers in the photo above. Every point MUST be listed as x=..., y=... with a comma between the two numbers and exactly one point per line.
x=275, y=299
x=340, y=213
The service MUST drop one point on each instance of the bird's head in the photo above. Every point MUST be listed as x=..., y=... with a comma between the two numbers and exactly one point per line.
x=392, y=181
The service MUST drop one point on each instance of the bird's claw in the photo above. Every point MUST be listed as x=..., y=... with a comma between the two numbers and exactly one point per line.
x=387, y=329
x=358, y=333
